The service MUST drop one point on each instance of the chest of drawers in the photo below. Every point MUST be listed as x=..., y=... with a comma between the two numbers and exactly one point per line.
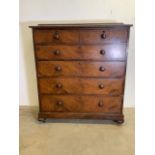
x=81, y=70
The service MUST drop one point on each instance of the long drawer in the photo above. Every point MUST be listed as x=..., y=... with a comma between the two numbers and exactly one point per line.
x=91, y=104
x=84, y=52
x=112, y=87
x=81, y=68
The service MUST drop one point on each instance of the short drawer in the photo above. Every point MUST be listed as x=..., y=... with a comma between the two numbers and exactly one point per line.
x=81, y=86
x=56, y=36
x=81, y=68
x=104, y=36
x=85, y=52
x=90, y=104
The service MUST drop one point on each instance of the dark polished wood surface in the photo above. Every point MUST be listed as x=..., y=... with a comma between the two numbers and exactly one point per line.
x=103, y=36
x=53, y=36
x=85, y=52
x=81, y=69
x=81, y=86
x=81, y=25
x=77, y=103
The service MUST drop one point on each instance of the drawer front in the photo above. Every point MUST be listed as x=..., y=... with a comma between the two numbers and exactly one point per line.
x=81, y=86
x=81, y=68
x=91, y=104
x=104, y=36
x=85, y=52
x=56, y=36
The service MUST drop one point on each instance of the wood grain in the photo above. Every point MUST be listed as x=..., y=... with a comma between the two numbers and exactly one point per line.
x=80, y=104
x=48, y=36
x=81, y=68
x=83, y=52
x=81, y=86
x=111, y=36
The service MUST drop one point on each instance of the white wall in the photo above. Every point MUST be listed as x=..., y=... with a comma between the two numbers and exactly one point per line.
x=33, y=12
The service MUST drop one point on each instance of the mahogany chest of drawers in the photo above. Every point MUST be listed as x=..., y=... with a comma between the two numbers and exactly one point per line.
x=81, y=70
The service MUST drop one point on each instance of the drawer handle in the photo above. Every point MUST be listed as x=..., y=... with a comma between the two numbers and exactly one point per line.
x=59, y=103
x=100, y=104
x=101, y=86
x=102, y=52
x=57, y=52
x=58, y=68
x=59, y=85
x=103, y=35
x=102, y=69
x=56, y=36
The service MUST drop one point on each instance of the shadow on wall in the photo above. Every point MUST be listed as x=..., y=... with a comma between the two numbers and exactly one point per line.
x=29, y=84
x=28, y=63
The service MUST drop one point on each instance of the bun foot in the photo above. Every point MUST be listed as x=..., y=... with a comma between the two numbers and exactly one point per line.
x=42, y=120
x=119, y=121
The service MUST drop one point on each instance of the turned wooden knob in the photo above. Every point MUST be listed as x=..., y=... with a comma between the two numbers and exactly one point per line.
x=59, y=85
x=102, y=52
x=102, y=69
x=58, y=68
x=101, y=86
x=57, y=52
x=100, y=104
x=59, y=103
x=103, y=35
x=56, y=36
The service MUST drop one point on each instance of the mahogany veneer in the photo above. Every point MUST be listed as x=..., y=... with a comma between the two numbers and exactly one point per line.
x=80, y=70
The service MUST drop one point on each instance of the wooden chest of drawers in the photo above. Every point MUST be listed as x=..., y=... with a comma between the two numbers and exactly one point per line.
x=81, y=70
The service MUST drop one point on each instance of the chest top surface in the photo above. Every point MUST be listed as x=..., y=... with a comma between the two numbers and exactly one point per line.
x=86, y=25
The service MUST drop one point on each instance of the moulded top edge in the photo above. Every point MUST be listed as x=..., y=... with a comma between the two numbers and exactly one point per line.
x=88, y=25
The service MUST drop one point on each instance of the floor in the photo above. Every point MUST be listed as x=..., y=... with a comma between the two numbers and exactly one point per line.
x=75, y=137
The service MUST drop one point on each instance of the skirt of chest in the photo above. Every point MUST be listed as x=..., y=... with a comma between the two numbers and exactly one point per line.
x=81, y=72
